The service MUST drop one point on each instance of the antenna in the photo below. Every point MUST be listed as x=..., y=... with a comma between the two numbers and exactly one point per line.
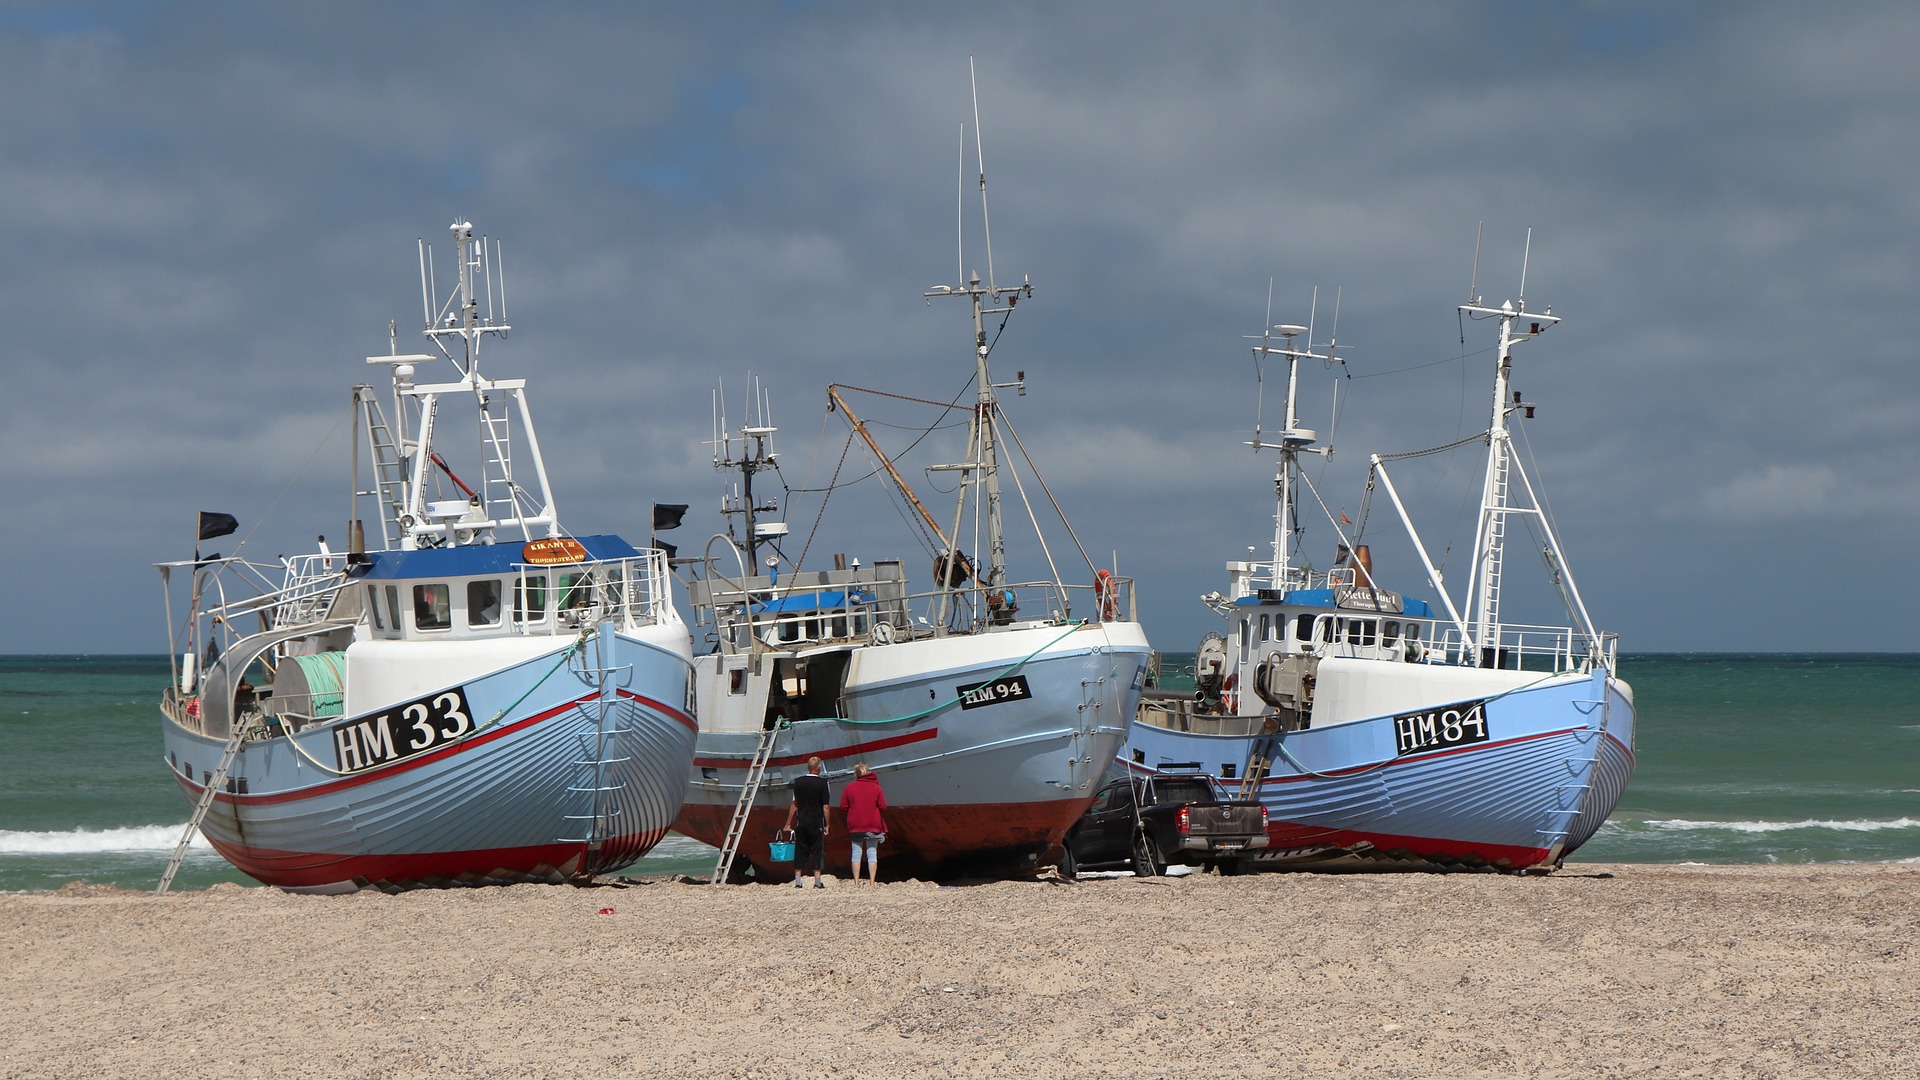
x=1259, y=376
x=980, y=155
x=1527, y=254
x=426, y=299
x=1473, y=288
x=486, y=270
x=960, y=206
x=500, y=257
x=1313, y=316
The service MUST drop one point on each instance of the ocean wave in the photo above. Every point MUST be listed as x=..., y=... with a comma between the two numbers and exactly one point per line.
x=80, y=841
x=1682, y=825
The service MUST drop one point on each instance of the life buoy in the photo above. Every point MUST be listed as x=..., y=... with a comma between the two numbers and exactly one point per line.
x=1108, y=591
x=1229, y=696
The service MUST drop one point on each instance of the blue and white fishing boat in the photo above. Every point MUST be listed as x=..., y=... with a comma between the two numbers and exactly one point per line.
x=1377, y=729
x=478, y=697
x=990, y=706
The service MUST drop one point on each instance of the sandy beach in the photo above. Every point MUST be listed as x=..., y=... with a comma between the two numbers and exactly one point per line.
x=1609, y=970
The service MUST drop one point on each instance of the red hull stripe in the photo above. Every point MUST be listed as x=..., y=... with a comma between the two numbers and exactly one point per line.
x=1352, y=770
x=917, y=836
x=430, y=756
x=853, y=750
x=676, y=715
x=395, y=769
x=1286, y=834
x=302, y=869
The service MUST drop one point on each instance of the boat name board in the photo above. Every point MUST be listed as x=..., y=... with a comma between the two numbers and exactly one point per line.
x=558, y=551
x=1440, y=728
x=980, y=695
x=402, y=731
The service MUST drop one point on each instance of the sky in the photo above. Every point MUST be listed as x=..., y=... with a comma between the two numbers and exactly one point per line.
x=209, y=215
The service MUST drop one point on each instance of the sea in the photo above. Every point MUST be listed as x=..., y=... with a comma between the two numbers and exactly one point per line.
x=1741, y=758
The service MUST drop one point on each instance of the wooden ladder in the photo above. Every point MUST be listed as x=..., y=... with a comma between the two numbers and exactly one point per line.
x=214, y=783
x=756, y=773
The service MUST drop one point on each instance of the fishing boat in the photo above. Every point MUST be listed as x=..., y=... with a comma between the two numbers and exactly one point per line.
x=990, y=706
x=1379, y=729
x=476, y=697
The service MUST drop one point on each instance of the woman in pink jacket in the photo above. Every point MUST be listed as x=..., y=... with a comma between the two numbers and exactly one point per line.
x=861, y=802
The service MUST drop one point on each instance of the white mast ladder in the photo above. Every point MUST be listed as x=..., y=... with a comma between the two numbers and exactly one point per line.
x=749, y=789
x=497, y=489
x=389, y=472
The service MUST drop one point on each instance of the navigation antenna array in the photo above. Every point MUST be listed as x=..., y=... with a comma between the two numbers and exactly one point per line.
x=482, y=269
x=754, y=454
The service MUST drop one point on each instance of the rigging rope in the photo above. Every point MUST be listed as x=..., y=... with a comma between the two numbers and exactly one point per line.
x=956, y=699
x=1478, y=436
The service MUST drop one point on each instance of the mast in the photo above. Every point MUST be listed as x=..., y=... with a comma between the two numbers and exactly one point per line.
x=405, y=461
x=1495, y=503
x=983, y=436
x=756, y=456
x=1293, y=441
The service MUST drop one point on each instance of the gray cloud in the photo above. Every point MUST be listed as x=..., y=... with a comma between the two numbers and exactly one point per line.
x=208, y=211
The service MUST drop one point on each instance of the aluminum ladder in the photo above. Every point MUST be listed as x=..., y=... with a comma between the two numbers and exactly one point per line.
x=214, y=783
x=749, y=789
x=389, y=470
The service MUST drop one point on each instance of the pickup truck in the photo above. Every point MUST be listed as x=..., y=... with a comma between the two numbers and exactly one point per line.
x=1146, y=822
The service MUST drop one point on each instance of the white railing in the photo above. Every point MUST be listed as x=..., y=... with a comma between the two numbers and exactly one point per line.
x=311, y=582
x=628, y=591
x=848, y=610
x=1521, y=647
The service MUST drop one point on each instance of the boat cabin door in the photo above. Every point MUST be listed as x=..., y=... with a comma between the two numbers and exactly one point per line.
x=806, y=688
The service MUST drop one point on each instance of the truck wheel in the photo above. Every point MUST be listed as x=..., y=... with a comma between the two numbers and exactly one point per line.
x=1066, y=867
x=1146, y=857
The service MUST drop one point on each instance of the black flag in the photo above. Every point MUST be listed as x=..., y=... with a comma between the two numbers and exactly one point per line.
x=670, y=549
x=212, y=525
x=668, y=515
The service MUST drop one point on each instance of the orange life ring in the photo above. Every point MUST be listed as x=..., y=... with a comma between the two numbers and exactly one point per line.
x=1108, y=591
x=1229, y=696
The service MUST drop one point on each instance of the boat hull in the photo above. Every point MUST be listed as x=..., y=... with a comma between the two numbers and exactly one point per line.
x=1556, y=756
x=564, y=774
x=987, y=788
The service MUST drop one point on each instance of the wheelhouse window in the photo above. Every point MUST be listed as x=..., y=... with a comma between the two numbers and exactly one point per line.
x=576, y=591
x=432, y=607
x=1362, y=631
x=393, y=606
x=530, y=599
x=1303, y=627
x=483, y=603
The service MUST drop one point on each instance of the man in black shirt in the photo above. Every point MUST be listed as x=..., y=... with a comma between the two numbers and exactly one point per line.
x=807, y=817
